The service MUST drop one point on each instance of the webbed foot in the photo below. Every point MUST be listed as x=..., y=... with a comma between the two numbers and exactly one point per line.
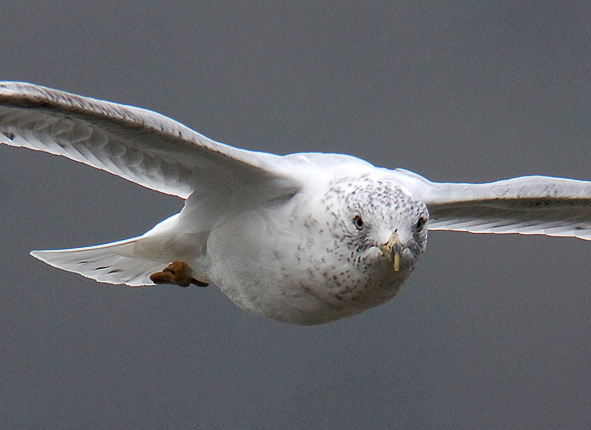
x=177, y=273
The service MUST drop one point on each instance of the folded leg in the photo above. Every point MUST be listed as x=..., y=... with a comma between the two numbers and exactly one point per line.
x=178, y=273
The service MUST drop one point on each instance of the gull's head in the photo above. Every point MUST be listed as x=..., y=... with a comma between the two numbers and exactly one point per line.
x=358, y=241
x=389, y=224
x=383, y=228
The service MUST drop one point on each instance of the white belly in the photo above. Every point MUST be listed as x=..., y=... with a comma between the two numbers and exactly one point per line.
x=293, y=279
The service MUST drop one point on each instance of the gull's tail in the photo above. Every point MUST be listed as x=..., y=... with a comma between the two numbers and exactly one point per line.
x=112, y=263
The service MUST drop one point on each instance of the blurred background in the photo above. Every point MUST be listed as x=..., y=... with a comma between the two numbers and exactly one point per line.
x=489, y=332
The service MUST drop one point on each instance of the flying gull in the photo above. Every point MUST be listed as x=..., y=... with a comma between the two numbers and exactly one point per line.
x=305, y=238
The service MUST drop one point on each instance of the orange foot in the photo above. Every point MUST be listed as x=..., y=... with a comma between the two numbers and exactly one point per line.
x=178, y=273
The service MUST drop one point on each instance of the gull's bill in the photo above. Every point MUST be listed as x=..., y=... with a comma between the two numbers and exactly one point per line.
x=392, y=250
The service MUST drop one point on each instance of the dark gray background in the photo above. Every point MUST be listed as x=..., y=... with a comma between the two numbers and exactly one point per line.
x=490, y=332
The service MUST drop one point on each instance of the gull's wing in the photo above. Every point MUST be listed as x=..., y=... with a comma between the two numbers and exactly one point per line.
x=527, y=205
x=137, y=144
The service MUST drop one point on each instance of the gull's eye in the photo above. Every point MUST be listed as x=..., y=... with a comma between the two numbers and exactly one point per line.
x=421, y=224
x=358, y=222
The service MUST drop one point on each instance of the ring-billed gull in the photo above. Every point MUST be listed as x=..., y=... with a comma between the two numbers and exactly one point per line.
x=304, y=238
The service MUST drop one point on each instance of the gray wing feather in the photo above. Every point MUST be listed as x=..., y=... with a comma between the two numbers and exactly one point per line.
x=137, y=144
x=527, y=205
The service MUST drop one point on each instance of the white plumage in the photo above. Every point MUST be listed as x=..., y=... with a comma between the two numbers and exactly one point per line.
x=303, y=238
x=527, y=205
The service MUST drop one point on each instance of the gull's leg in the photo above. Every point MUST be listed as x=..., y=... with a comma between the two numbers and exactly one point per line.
x=178, y=273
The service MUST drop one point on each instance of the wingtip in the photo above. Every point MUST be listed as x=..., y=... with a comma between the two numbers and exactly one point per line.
x=10, y=87
x=38, y=254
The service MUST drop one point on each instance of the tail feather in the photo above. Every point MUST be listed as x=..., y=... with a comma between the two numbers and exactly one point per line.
x=112, y=263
